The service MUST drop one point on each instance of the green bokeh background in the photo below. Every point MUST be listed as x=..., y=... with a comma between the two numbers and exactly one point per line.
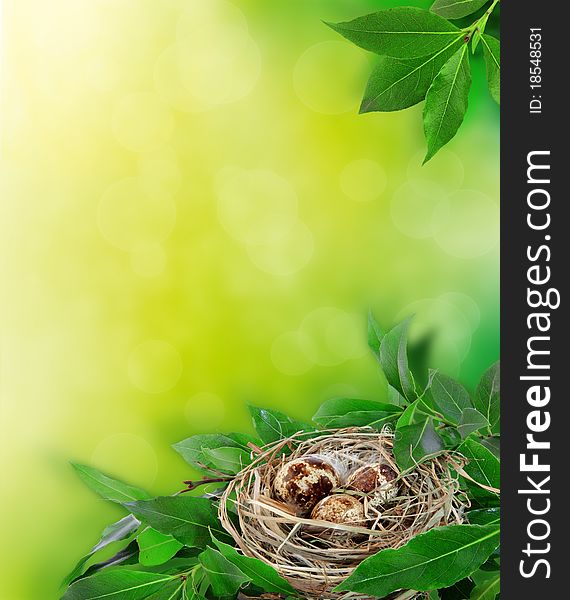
x=195, y=217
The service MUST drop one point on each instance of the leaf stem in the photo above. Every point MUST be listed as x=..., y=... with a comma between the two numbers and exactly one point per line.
x=433, y=413
x=481, y=20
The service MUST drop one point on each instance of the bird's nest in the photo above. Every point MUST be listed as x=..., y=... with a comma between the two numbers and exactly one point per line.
x=315, y=556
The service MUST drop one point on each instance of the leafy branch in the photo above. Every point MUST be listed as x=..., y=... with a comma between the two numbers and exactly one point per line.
x=175, y=547
x=424, y=56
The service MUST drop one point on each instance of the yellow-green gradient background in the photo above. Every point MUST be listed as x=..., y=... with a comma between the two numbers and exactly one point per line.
x=195, y=217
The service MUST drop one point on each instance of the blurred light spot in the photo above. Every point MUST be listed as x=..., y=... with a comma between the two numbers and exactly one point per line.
x=141, y=122
x=214, y=61
x=101, y=74
x=168, y=83
x=285, y=255
x=466, y=304
x=334, y=336
x=435, y=316
x=363, y=180
x=444, y=324
x=214, y=75
x=133, y=213
x=445, y=169
x=328, y=77
x=467, y=224
x=256, y=207
x=205, y=411
x=413, y=207
x=340, y=390
x=212, y=19
x=288, y=353
x=446, y=358
x=128, y=457
x=149, y=261
x=161, y=167
x=344, y=332
x=154, y=366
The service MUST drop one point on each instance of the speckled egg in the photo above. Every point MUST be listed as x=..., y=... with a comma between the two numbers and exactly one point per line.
x=302, y=482
x=340, y=508
x=377, y=479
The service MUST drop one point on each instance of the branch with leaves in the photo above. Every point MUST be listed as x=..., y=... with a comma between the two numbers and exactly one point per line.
x=175, y=547
x=423, y=55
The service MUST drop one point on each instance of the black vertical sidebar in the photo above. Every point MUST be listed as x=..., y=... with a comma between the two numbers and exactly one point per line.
x=535, y=265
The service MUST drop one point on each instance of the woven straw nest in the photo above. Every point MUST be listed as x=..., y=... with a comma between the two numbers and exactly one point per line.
x=313, y=555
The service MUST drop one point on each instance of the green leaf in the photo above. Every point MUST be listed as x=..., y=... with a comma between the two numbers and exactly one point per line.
x=200, y=582
x=487, y=585
x=432, y=560
x=189, y=594
x=446, y=101
x=471, y=420
x=493, y=443
x=396, y=84
x=224, y=577
x=414, y=443
x=175, y=590
x=193, y=449
x=107, y=487
x=228, y=460
x=156, y=548
x=117, y=584
x=125, y=556
x=479, y=30
x=375, y=334
x=418, y=357
x=403, y=32
x=261, y=574
x=457, y=9
x=272, y=425
x=348, y=412
x=483, y=467
x=244, y=439
x=487, y=399
x=394, y=397
x=394, y=359
x=492, y=53
x=416, y=412
x=180, y=564
x=450, y=436
x=117, y=532
x=484, y=516
x=186, y=518
x=448, y=397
